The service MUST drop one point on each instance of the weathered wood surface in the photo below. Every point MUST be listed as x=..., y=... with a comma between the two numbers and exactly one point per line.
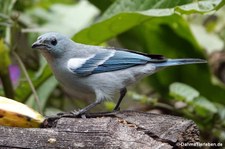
x=122, y=130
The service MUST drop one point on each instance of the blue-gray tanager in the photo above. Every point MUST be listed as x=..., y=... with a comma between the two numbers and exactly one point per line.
x=93, y=72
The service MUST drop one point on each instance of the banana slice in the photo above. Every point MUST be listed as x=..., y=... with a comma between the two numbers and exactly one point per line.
x=16, y=114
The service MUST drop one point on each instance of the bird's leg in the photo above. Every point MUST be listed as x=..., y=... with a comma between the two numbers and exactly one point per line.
x=76, y=113
x=85, y=109
x=122, y=94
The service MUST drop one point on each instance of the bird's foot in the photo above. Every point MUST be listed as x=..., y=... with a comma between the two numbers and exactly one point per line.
x=51, y=121
x=78, y=113
x=72, y=114
x=116, y=109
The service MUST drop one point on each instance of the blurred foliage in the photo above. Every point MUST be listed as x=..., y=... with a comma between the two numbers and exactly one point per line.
x=176, y=29
x=4, y=52
x=207, y=114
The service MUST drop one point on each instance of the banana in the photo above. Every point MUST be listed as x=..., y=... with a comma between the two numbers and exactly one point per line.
x=16, y=114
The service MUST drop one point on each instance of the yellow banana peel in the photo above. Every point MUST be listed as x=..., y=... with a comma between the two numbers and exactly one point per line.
x=16, y=114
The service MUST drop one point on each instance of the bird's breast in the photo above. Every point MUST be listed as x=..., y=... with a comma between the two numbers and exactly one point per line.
x=74, y=85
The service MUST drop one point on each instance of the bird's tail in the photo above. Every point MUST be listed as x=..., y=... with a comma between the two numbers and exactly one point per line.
x=185, y=61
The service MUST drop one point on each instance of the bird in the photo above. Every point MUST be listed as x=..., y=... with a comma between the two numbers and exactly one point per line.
x=98, y=73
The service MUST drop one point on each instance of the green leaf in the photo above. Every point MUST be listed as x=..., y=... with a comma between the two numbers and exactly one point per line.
x=221, y=113
x=200, y=7
x=203, y=106
x=183, y=92
x=43, y=91
x=207, y=40
x=142, y=98
x=137, y=5
x=114, y=21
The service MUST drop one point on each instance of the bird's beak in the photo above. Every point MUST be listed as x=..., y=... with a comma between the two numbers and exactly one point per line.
x=38, y=45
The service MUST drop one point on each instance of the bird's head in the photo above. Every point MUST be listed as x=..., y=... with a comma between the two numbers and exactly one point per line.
x=52, y=43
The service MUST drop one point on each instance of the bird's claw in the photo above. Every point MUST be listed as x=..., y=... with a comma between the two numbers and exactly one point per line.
x=60, y=114
x=116, y=109
x=78, y=113
x=74, y=114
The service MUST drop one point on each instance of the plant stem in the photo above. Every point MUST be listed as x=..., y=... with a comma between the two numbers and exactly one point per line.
x=29, y=81
x=7, y=84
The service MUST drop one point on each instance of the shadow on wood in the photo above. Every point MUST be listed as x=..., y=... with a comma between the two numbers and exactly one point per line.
x=127, y=129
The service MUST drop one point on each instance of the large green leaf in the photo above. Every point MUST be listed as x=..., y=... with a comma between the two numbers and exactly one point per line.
x=184, y=92
x=43, y=91
x=204, y=107
x=115, y=20
x=138, y=5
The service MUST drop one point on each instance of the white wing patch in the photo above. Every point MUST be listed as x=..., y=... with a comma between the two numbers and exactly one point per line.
x=75, y=63
x=107, y=57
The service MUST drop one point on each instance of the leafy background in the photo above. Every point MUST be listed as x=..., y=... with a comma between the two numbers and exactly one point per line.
x=176, y=29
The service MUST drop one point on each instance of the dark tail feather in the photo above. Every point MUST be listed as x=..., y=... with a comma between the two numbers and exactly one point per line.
x=174, y=62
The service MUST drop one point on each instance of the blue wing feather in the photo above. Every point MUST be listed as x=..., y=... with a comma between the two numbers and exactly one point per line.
x=92, y=63
x=120, y=60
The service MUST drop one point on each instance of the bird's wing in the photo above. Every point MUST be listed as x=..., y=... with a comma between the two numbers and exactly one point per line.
x=109, y=60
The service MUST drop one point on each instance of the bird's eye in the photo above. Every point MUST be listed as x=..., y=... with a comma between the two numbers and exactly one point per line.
x=54, y=42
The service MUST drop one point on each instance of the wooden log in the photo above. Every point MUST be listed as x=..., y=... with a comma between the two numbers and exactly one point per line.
x=127, y=129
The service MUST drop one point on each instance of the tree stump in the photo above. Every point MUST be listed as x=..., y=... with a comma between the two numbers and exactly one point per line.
x=127, y=129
